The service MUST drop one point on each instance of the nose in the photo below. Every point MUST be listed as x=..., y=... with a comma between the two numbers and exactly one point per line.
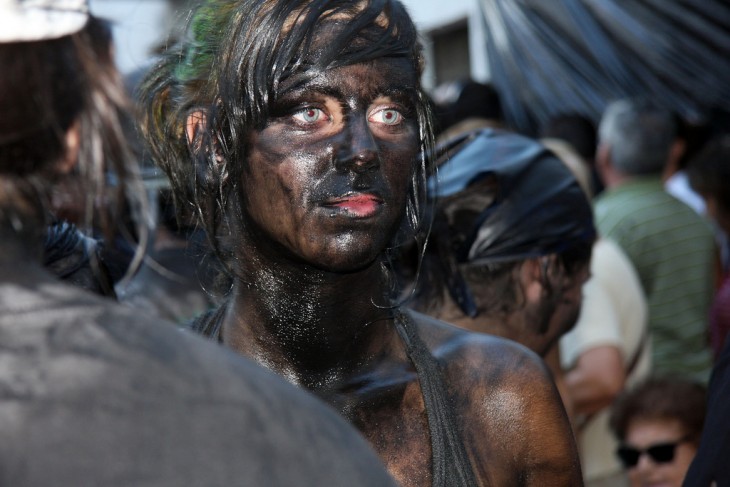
x=645, y=466
x=358, y=150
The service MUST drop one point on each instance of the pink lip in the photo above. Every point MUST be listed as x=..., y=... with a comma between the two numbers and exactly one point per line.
x=361, y=205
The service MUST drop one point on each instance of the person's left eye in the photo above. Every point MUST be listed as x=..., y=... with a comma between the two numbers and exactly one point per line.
x=387, y=116
x=309, y=115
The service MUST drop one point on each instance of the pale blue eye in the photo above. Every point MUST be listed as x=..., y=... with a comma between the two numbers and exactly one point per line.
x=390, y=116
x=309, y=115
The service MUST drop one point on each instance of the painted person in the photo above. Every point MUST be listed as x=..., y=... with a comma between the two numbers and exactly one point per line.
x=93, y=393
x=295, y=128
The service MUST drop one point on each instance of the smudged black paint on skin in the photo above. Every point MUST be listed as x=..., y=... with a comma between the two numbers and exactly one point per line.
x=292, y=170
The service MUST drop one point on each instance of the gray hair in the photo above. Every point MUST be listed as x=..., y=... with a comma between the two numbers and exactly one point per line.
x=639, y=134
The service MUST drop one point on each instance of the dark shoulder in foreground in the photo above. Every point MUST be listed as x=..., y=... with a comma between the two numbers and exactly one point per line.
x=93, y=393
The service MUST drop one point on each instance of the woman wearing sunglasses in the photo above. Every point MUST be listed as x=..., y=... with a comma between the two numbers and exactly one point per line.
x=658, y=425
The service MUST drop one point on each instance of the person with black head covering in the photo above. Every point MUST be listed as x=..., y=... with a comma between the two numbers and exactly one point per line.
x=93, y=393
x=511, y=241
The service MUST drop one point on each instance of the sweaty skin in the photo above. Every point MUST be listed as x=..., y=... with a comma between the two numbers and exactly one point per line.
x=322, y=195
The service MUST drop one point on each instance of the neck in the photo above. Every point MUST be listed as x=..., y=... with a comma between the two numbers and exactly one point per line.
x=312, y=326
x=613, y=178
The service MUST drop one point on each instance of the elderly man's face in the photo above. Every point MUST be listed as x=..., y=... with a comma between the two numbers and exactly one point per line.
x=326, y=180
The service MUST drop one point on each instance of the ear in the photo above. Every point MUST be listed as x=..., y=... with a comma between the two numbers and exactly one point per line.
x=531, y=278
x=72, y=143
x=194, y=124
x=676, y=151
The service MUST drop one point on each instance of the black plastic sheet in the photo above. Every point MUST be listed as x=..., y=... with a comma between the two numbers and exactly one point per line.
x=555, y=56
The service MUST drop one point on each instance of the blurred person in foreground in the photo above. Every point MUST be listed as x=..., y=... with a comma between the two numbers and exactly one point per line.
x=92, y=393
x=296, y=130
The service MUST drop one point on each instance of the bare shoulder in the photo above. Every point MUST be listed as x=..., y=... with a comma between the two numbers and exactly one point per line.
x=510, y=412
x=478, y=355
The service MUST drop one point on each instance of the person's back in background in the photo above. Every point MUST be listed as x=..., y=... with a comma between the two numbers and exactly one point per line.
x=671, y=247
x=709, y=176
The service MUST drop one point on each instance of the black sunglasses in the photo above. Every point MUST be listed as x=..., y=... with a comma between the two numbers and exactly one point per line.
x=659, y=453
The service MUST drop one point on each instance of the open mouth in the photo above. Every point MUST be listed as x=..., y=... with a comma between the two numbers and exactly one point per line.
x=361, y=204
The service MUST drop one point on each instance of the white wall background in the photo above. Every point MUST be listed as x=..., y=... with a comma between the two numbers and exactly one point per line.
x=432, y=14
x=139, y=25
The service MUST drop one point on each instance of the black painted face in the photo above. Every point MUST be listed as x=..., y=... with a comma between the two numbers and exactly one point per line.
x=327, y=179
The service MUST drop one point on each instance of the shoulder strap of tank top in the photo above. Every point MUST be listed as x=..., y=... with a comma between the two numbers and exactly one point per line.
x=451, y=466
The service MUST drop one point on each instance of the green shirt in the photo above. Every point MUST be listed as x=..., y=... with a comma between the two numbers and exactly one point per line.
x=673, y=250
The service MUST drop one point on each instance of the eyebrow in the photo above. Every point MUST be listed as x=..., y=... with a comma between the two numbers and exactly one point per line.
x=404, y=93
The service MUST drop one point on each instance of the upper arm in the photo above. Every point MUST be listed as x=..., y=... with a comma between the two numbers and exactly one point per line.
x=516, y=426
x=596, y=379
x=550, y=454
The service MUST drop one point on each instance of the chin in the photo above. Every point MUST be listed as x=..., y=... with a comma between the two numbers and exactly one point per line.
x=350, y=252
x=349, y=263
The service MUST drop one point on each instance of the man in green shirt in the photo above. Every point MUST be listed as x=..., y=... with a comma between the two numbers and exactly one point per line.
x=672, y=248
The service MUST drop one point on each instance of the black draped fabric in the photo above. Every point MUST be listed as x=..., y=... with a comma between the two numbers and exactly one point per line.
x=549, y=57
x=710, y=465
